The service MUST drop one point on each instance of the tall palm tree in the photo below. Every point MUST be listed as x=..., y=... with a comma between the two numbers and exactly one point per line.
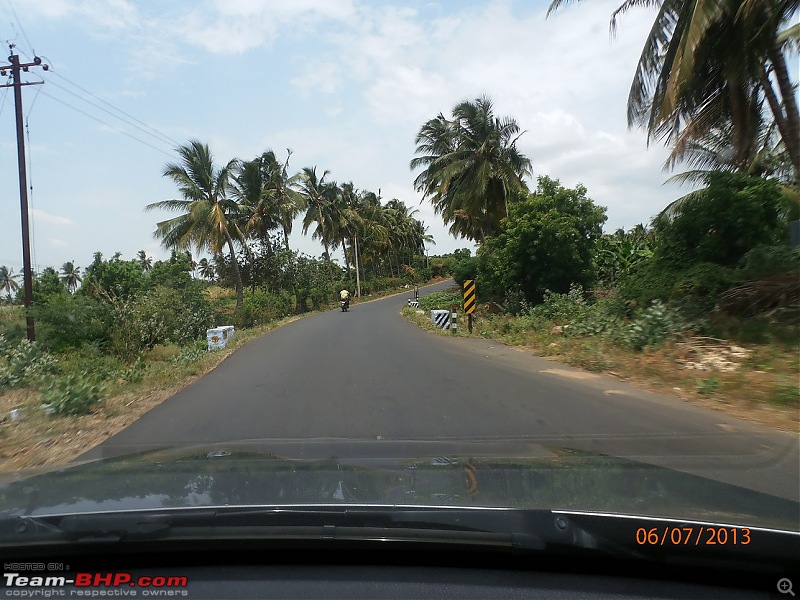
x=145, y=261
x=208, y=216
x=8, y=281
x=257, y=214
x=71, y=276
x=472, y=167
x=319, y=197
x=703, y=62
x=279, y=187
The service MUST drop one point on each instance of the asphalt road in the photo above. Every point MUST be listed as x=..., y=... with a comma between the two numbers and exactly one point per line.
x=369, y=374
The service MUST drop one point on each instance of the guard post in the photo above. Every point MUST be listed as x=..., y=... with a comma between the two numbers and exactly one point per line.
x=469, y=301
x=453, y=320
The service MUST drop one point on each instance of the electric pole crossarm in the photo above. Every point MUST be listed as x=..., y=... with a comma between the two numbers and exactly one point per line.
x=22, y=84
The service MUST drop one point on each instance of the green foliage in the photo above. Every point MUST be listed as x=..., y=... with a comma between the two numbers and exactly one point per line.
x=158, y=316
x=46, y=286
x=116, y=278
x=135, y=373
x=73, y=394
x=763, y=261
x=191, y=354
x=561, y=308
x=733, y=215
x=465, y=269
x=174, y=273
x=787, y=394
x=708, y=386
x=24, y=364
x=440, y=300
x=652, y=326
x=547, y=243
x=696, y=289
x=71, y=321
x=262, y=307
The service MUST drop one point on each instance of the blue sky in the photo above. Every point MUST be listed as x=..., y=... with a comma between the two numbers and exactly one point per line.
x=344, y=84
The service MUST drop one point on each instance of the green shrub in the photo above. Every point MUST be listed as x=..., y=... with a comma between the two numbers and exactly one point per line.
x=189, y=355
x=440, y=300
x=465, y=269
x=652, y=326
x=764, y=261
x=70, y=321
x=135, y=373
x=723, y=222
x=163, y=352
x=159, y=316
x=73, y=394
x=262, y=307
x=24, y=364
x=696, y=290
x=708, y=386
x=561, y=308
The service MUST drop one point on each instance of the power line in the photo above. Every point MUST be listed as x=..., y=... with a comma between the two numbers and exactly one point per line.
x=160, y=137
x=22, y=29
x=5, y=94
x=155, y=131
x=122, y=131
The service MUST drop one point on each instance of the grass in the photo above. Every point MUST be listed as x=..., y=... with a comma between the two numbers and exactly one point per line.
x=764, y=388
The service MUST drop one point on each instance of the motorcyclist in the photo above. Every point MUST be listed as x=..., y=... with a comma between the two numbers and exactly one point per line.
x=344, y=296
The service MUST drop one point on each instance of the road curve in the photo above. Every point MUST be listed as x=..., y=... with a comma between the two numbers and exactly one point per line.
x=370, y=374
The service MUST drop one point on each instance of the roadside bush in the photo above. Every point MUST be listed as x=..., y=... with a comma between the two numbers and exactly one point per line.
x=561, y=308
x=24, y=364
x=649, y=282
x=440, y=300
x=191, y=354
x=159, y=316
x=73, y=394
x=764, y=261
x=72, y=321
x=695, y=291
x=652, y=326
x=135, y=373
x=262, y=307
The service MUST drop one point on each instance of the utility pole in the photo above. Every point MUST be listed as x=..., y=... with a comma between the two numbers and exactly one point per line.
x=27, y=273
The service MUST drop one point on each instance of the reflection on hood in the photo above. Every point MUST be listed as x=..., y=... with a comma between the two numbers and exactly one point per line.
x=544, y=478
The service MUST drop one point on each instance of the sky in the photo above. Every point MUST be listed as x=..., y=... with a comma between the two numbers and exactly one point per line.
x=344, y=84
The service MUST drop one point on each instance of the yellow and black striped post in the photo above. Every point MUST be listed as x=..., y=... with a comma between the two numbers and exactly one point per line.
x=469, y=300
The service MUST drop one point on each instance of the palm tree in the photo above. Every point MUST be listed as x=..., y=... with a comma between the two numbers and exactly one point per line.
x=703, y=63
x=206, y=269
x=8, y=281
x=472, y=167
x=71, y=276
x=279, y=187
x=208, y=217
x=319, y=197
x=145, y=261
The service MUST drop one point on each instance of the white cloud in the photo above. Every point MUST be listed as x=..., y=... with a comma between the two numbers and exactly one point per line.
x=57, y=243
x=50, y=219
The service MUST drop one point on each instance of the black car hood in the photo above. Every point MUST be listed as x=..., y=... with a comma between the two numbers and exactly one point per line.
x=528, y=476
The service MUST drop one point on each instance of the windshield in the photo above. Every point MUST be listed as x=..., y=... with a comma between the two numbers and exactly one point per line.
x=486, y=255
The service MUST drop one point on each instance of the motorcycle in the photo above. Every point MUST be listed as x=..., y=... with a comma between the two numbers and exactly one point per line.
x=345, y=304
